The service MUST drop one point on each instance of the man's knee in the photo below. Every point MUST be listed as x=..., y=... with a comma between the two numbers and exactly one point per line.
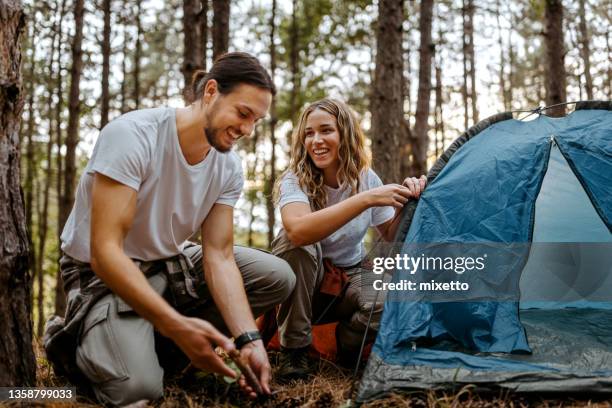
x=117, y=354
x=142, y=386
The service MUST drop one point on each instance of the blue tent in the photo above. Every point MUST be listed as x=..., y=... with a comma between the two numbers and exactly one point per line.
x=538, y=195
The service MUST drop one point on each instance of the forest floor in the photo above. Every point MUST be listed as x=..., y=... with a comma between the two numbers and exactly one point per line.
x=330, y=387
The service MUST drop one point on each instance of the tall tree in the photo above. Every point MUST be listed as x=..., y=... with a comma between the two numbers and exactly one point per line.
x=137, y=56
x=294, y=66
x=469, y=69
x=273, y=119
x=585, y=51
x=389, y=127
x=29, y=138
x=204, y=32
x=194, y=39
x=502, y=58
x=555, y=53
x=106, y=53
x=420, y=141
x=125, y=18
x=17, y=363
x=59, y=107
x=220, y=27
x=472, y=58
x=72, y=134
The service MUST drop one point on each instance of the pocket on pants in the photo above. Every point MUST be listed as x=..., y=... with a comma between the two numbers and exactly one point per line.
x=98, y=354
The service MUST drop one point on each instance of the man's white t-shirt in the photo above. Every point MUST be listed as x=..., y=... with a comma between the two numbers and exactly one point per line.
x=345, y=246
x=141, y=150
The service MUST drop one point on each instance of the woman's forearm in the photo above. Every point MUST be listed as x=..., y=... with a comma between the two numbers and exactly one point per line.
x=309, y=228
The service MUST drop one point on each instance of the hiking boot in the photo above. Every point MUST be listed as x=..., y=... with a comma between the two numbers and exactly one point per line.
x=294, y=364
x=346, y=357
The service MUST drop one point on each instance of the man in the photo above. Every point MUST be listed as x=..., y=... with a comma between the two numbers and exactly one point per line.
x=156, y=177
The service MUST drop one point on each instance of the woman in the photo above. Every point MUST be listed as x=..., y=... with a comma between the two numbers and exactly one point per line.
x=328, y=198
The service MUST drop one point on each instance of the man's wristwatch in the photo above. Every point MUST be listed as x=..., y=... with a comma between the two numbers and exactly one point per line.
x=247, y=337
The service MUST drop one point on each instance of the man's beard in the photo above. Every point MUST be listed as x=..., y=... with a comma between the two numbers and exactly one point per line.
x=212, y=135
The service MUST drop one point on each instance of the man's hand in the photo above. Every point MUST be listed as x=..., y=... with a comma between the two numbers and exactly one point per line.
x=257, y=357
x=197, y=338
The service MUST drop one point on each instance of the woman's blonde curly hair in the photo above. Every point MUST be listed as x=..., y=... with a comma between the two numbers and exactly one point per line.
x=351, y=152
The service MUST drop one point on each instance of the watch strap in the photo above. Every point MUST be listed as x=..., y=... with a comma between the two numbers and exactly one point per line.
x=246, y=338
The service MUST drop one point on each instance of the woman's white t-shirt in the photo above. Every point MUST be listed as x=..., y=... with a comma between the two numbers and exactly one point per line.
x=345, y=246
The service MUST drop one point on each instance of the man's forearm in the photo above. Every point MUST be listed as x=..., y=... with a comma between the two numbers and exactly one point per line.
x=227, y=289
x=124, y=278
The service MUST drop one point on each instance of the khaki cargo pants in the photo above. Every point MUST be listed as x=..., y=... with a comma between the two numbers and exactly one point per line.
x=306, y=306
x=117, y=350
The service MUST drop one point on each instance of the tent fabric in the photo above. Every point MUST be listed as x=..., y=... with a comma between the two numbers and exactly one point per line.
x=485, y=189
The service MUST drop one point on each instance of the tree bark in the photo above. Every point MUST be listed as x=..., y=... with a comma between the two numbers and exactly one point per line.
x=106, y=52
x=502, y=59
x=17, y=363
x=555, y=53
x=585, y=51
x=252, y=193
x=420, y=141
x=464, y=85
x=194, y=34
x=29, y=134
x=59, y=142
x=72, y=134
x=204, y=32
x=124, y=53
x=272, y=176
x=388, y=125
x=294, y=66
x=54, y=128
x=137, y=56
x=472, y=60
x=220, y=27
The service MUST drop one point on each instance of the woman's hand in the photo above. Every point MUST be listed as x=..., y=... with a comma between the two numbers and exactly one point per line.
x=392, y=195
x=415, y=185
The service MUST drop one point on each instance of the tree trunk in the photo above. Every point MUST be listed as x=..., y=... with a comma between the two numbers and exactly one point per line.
x=30, y=165
x=106, y=52
x=42, y=238
x=53, y=129
x=555, y=52
x=388, y=125
x=502, y=59
x=585, y=50
x=439, y=113
x=72, y=134
x=252, y=193
x=59, y=142
x=203, y=32
x=17, y=363
x=220, y=27
x=137, y=55
x=609, y=70
x=472, y=60
x=420, y=141
x=294, y=65
x=464, y=85
x=124, y=53
x=272, y=176
x=193, y=58
x=30, y=156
